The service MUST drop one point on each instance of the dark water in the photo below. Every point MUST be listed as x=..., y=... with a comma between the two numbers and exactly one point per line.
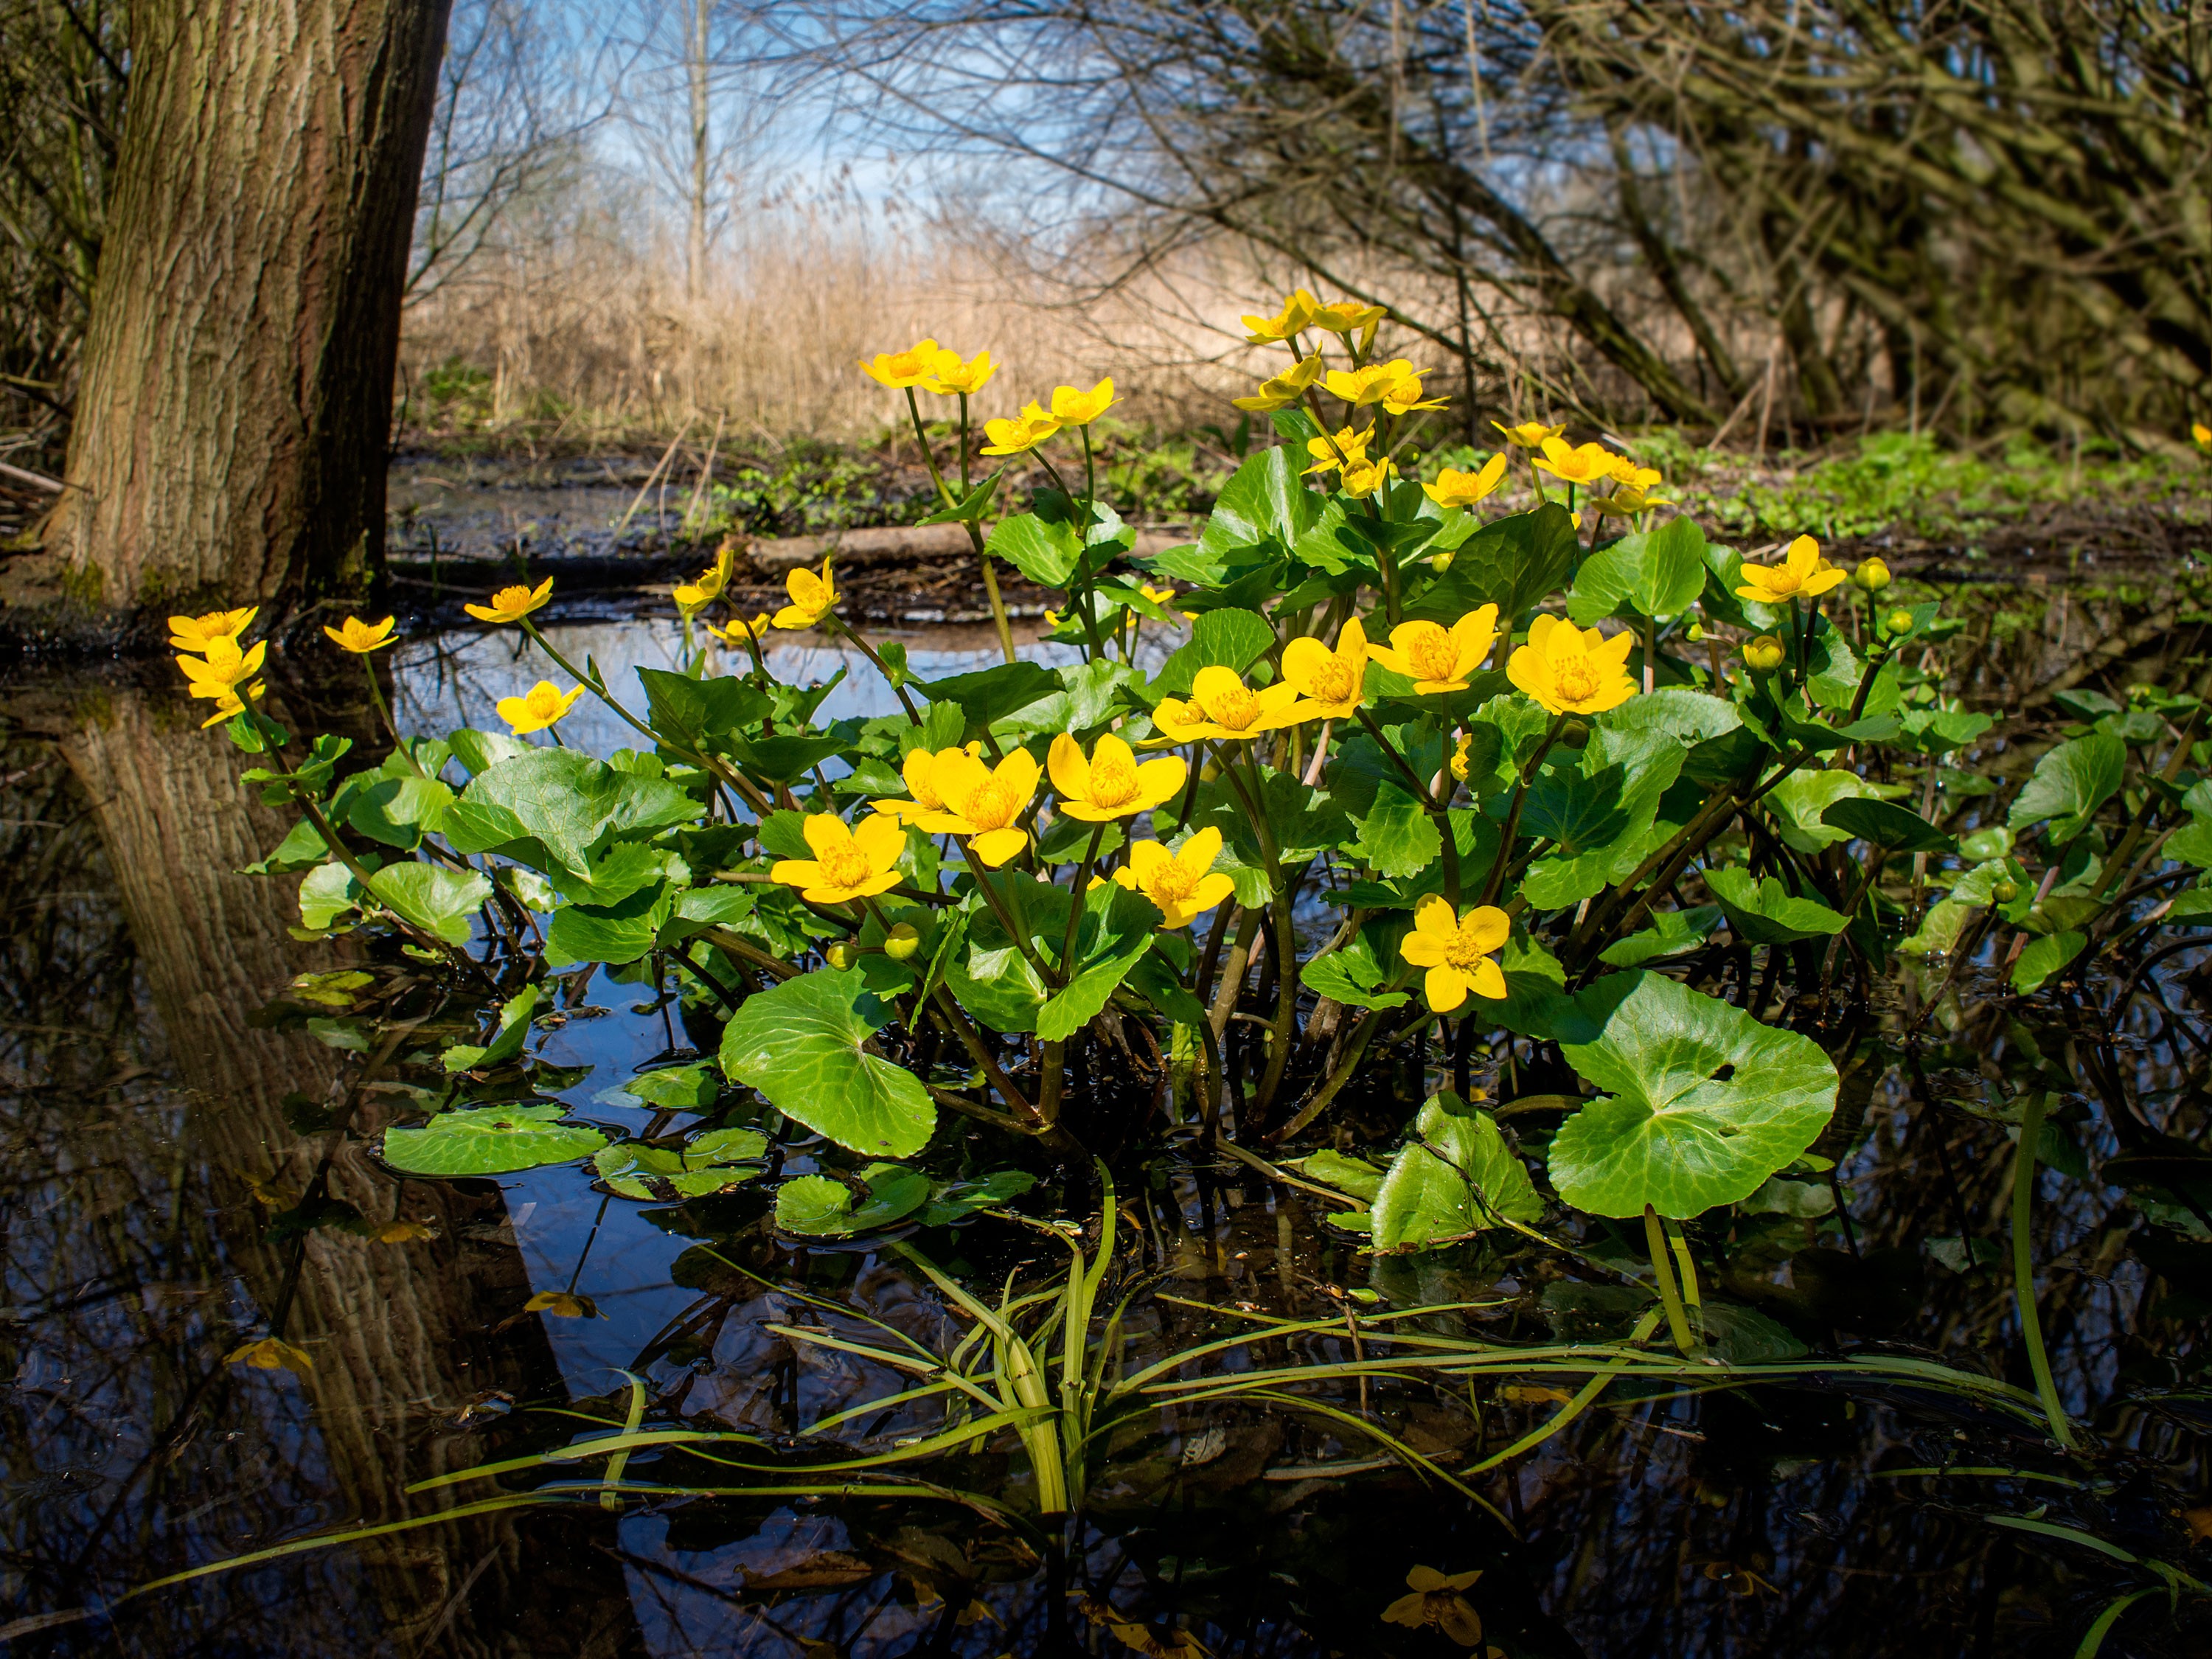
x=161, y=1159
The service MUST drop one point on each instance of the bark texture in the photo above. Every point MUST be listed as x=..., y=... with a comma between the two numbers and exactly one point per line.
x=231, y=432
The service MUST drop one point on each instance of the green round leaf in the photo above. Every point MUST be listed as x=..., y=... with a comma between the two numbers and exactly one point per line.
x=1701, y=1104
x=670, y=1174
x=1765, y=912
x=490, y=1140
x=799, y=1046
x=821, y=1206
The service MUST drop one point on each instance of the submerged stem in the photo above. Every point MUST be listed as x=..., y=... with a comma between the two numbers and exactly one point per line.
x=1678, y=1322
x=2023, y=1269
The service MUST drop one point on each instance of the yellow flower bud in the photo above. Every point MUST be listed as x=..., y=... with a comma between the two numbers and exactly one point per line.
x=2004, y=892
x=1763, y=654
x=1873, y=575
x=1696, y=632
x=902, y=942
x=1899, y=622
x=841, y=954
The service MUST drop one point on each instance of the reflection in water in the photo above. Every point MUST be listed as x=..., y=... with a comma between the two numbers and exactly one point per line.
x=159, y=1128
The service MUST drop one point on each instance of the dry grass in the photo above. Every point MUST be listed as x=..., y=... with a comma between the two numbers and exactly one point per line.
x=580, y=325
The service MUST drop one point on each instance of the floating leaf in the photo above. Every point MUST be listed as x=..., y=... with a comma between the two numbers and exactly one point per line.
x=693, y=1088
x=1701, y=1104
x=822, y=1206
x=490, y=1140
x=955, y=1200
x=1354, y=1175
x=1456, y=1177
x=669, y=1174
x=800, y=1044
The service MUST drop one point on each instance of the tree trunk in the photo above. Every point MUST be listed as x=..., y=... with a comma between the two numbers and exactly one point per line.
x=231, y=432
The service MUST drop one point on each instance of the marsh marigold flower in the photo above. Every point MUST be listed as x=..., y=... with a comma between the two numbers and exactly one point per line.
x=1112, y=783
x=1361, y=479
x=271, y=1353
x=1183, y=883
x=1221, y=705
x=564, y=1305
x=1802, y=571
x=692, y=597
x=1439, y=658
x=360, y=637
x=985, y=803
x=511, y=604
x=813, y=597
x=1457, y=950
x=1071, y=406
x=1162, y=597
x=231, y=704
x=1576, y=464
x=1329, y=680
x=224, y=668
x=739, y=630
x=1281, y=390
x=1025, y=431
x=1347, y=448
x=901, y=370
x=1348, y=317
x=1763, y=654
x=1570, y=669
x=197, y=632
x=539, y=708
x=949, y=377
x=848, y=864
x=1297, y=316
x=1529, y=434
x=1454, y=489
x=1435, y=1598
x=920, y=770
x=2202, y=434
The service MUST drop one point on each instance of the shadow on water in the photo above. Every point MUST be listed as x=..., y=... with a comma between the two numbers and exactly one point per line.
x=188, y=1167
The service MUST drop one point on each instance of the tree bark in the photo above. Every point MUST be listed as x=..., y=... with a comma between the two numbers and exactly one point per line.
x=231, y=432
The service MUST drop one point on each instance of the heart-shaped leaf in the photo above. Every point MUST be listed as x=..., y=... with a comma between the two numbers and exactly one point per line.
x=800, y=1044
x=1887, y=825
x=441, y=901
x=1764, y=912
x=1456, y=1176
x=822, y=1206
x=490, y=1140
x=669, y=1174
x=2069, y=784
x=1701, y=1103
x=507, y=1040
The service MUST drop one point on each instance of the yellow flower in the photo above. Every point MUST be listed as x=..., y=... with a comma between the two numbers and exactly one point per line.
x=900, y=369
x=224, y=668
x=1459, y=756
x=1872, y=576
x=1299, y=309
x=1025, y=431
x=1802, y=570
x=403, y=1232
x=360, y=637
x=229, y=705
x=848, y=864
x=1626, y=501
x=1183, y=883
x=1329, y=680
x=511, y=604
x=949, y=376
x=813, y=597
x=538, y=709
x=1162, y=597
x=1362, y=387
x=1572, y=671
x=1763, y=652
x=1454, y=488
x=1579, y=464
x=1530, y=434
x=564, y=1305
x=1281, y=390
x=271, y=1353
x=982, y=803
x=1363, y=478
x=1074, y=407
x=1436, y=1600
x=692, y=597
x=1330, y=454
x=920, y=769
x=1112, y=783
x=2201, y=432
x=197, y=632
x=1347, y=317
x=1222, y=706
x=1455, y=950
x=1624, y=471
x=1435, y=657
x=1403, y=395
x=739, y=630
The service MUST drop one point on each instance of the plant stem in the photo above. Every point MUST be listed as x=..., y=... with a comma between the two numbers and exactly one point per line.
x=2023, y=1268
x=384, y=711
x=882, y=667
x=1678, y=1323
x=974, y=535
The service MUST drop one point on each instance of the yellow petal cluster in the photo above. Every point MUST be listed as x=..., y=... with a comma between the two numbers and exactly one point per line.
x=739, y=630
x=1297, y=316
x=901, y=370
x=985, y=803
x=692, y=597
x=512, y=605
x=360, y=637
x=920, y=770
x=1348, y=317
x=539, y=708
x=1457, y=488
x=1111, y=783
x=1802, y=572
x=848, y=864
x=1025, y=431
x=1529, y=434
x=1329, y=680
x=813, y=597
x=1457, y=950
x=1183, y=883
x=951, y=377
x=1222, y=706
x=1071, y=406
x=1281, y=390
x=197, y=632
x=1439, y=658
x=1573, y=671
x=1347, y=448
x=1576, y=464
